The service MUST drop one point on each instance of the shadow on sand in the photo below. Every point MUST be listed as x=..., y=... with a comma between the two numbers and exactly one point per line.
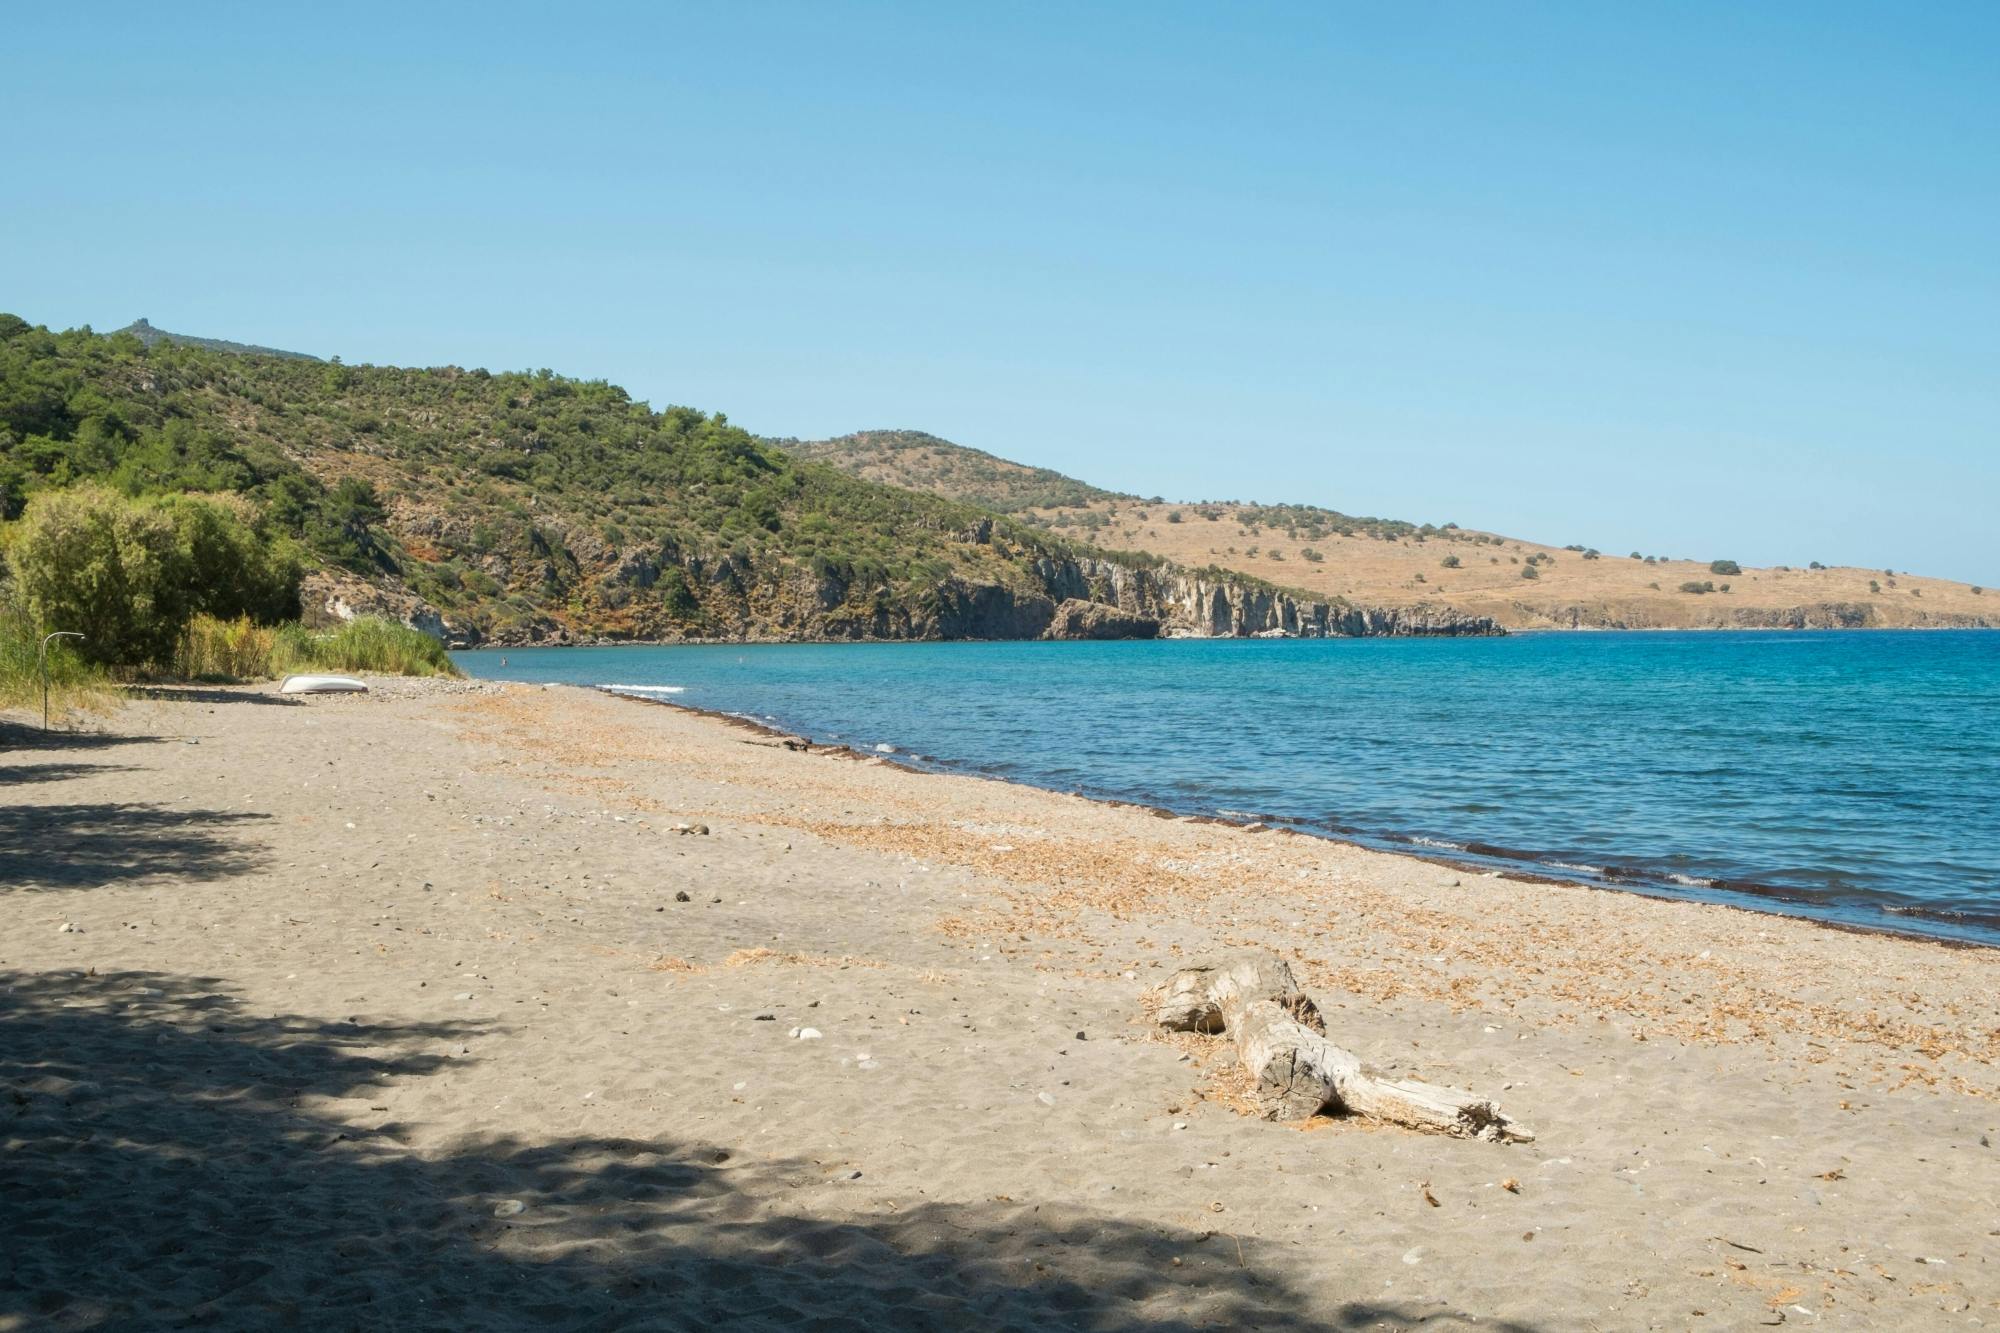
x=84, y=846
x=211, y=694
x=173, y=1159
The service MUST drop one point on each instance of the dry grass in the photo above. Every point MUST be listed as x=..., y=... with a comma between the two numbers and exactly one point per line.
x=1488, y=580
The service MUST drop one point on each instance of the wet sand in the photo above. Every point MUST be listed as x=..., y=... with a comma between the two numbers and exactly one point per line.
x=415, y=1010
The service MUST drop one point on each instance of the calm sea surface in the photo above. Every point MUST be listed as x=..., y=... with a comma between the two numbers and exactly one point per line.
x=1848, y=776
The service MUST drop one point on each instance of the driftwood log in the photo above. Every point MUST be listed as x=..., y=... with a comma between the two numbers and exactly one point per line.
x=1281, y=1040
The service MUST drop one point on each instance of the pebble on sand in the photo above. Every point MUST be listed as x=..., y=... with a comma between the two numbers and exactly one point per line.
x=806, y=1034
x=509, y=1208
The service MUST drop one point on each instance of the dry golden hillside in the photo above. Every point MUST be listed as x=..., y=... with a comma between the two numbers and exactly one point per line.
x=1486, y=574
x=1520, y=584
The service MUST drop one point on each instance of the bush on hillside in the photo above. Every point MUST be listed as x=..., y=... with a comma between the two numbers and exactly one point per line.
x=1724, y=567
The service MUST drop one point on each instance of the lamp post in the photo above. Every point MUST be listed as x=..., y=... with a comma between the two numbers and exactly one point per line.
x=42, y=661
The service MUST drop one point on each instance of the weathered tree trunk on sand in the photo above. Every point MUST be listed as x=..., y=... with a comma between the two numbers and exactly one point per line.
x=1202, y=998
x=1282, y=1043
x=1300, y=1073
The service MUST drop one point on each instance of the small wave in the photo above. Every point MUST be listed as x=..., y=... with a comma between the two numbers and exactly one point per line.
x=1574, y=867
x=885, y=748
x=645, y=689
x=1689, y=881
x=1442, y=844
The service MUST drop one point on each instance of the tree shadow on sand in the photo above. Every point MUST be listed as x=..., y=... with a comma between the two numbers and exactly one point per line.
x=16, y=736
x=85, y=846
x=28, y=775
x=168, y=1161
x=212, y=694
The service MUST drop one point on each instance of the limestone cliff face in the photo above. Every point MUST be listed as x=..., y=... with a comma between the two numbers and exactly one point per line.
x=1714, y=613
x=1078, y=619
x=653, y=595
x=1208, y=605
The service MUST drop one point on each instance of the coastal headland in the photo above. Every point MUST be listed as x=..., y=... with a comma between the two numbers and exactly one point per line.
x=470, y=1004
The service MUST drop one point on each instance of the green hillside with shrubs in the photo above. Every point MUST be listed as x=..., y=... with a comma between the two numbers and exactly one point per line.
x=512, y=507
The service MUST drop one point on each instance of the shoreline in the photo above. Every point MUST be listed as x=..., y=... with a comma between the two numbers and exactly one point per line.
x=1503, y=864
x=1503, y=632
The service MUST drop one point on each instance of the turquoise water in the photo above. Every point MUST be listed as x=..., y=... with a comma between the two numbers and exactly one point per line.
x=1853, y=777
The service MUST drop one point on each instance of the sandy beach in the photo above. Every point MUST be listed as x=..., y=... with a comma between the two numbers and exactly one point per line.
x=463, y=1005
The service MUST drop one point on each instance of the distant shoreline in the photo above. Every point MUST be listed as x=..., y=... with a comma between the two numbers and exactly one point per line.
x=494, y=645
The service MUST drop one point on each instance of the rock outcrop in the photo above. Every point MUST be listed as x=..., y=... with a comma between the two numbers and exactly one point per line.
x=1078, y=619
x=334, y=596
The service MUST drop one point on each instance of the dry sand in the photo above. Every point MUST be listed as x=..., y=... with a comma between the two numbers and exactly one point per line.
x=388, y=1012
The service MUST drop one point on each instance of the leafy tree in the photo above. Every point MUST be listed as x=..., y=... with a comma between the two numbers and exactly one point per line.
x=130, y=574
x=1724, y=567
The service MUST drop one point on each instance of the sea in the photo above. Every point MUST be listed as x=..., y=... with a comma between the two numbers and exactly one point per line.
x=1850, y=777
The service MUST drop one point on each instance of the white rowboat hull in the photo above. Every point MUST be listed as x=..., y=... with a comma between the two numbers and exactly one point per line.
x=322, y=685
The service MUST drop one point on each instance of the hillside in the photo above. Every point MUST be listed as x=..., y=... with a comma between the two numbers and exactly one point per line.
x=920, y=462
x=147, y=334
x=514, y=508
x=1519, y=584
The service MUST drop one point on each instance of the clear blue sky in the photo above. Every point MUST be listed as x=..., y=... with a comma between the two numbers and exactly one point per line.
x=1699, y=279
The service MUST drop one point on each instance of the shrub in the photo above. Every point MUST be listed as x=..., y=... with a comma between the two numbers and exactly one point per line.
x=1815, y=565
x=1724, y=567
x=1310, y=556
x=369, y=643
x=1874, y=585
x=1703, y=586
x=1530, y=572
x=216, y=649
x=1977, y=590
x=130, y=574
x=1449, y=562
x=89, y=560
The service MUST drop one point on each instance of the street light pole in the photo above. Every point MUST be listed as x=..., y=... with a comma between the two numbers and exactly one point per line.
x=42, y=661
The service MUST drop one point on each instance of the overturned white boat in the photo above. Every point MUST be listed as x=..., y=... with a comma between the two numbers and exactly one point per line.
x=322, y=685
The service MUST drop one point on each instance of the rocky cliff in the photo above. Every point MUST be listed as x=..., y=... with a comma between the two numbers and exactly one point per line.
x=664, y=592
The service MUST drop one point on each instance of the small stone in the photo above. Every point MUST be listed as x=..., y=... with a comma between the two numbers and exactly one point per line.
x=806, y=1034
x=1180, y=1124
x=852, y=1175
x=1046, y=1098
x=463, y=995
x=682, y=897
x=1080, y=1036
x=509, y=1208
x=69, y=928
x=765, y=1018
